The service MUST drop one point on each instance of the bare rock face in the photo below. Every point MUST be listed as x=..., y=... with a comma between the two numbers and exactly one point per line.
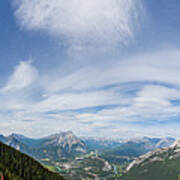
x=66, y=140
x=162, y=154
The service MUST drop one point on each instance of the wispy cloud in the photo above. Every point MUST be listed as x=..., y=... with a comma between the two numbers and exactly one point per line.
x=139, y=90
x=82, y=22
x=24, y=75
x=160, y=66
x=121, y=92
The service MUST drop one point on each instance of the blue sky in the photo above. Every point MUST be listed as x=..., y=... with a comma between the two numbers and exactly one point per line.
x=94, y=67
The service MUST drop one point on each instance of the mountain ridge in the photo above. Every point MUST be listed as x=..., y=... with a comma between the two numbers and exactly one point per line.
x=159, y=164
x=55, y=146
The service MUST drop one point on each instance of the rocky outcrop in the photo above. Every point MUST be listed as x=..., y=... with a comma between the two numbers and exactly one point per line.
x=162, y=154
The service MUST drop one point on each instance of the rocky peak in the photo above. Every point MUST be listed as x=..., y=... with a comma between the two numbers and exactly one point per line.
x=13, y=142
x=15, y=136
x=61, y=137
x=66, y=140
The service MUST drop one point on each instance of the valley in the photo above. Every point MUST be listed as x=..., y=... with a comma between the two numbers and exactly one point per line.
x=85, y=158
x=89, y=89
x=84, y=167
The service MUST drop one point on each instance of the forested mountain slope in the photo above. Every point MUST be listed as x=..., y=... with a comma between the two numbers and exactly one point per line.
x=161, y=164
x=15, y=165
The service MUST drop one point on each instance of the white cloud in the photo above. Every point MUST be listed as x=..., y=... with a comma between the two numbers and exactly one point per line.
x=74, y=101
x=24, y=74
x=80, y=21
x=159, y=92
x=153, y=102
x=92, y=28
x=82, y=88
x=162, y=66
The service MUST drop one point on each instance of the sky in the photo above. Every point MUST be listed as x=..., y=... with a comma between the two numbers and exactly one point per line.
x=104, y=68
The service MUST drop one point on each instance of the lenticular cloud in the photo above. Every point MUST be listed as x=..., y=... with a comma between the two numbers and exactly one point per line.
x=81, y=21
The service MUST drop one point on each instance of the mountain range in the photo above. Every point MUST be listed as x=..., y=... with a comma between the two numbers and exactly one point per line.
x=72, y=156
x=66, y=144
x=53, y=147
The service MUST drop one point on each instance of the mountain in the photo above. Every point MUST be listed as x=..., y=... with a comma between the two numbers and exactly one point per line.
x=14, y=142
x=2, y=139
x=71, y=156
x=152, y=143
x=165, y=142
x=137, y=147
x=56, y=146
x=94, y=143
x=67, y=141
x=24, y=140
x=66, y=144
x=15, y=165
x=159, y=164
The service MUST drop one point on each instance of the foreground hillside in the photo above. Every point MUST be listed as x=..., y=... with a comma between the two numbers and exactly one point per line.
x=18, y=166
x=161, y=164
